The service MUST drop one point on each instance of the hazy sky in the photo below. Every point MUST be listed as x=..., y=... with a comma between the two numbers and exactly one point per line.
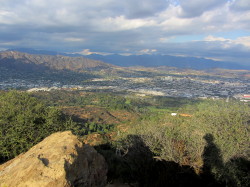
x=218, y=29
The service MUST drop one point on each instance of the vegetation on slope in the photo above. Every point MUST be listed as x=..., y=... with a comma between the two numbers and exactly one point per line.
x=207, y=143
x=213, y=140
x=25, y=121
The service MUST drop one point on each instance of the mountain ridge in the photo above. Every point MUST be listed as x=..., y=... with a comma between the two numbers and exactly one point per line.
x=166, y=60
x=16, y=60
x=146, y=60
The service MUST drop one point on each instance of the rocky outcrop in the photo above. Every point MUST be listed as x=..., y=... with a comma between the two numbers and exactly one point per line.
x=59, y=160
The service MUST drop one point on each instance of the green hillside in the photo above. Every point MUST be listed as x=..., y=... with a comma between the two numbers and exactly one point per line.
x=206, y=143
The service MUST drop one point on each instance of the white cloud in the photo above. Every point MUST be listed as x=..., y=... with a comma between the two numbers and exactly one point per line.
x=9, y=43
x=176, y=24
x=211, y=38
x=245, y=41
x=88, y=52
x=85, y=52
x=146, y=51
x=72, y=39
x=121, y=23
x=113, y=26
x=166, y=39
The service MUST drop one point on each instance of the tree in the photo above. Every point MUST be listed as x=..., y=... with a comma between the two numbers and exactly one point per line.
x=25, y=121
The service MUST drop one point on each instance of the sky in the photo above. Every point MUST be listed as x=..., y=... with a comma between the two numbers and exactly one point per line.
x=213, y=29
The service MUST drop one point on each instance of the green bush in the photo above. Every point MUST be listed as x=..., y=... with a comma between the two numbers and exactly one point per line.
x=25, y=121
x=99, y=128
x=228, y=123
x=216, y=133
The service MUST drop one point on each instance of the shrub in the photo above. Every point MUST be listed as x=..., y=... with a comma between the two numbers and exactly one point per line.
x=216, y=133
x=25, y=121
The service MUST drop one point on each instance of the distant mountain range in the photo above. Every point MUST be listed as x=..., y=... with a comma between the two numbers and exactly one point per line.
x=166, y=60
x=56, y=68
x=33, y=62
x=23, y=69
x=148, y=60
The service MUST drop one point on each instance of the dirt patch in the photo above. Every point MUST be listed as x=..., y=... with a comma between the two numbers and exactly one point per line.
x=99, y=115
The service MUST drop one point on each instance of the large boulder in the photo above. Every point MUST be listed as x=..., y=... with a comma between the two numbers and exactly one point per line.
x=59, y=160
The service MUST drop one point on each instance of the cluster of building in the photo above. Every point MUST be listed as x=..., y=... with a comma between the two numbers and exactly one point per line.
x=243, y=97
x=173, y=86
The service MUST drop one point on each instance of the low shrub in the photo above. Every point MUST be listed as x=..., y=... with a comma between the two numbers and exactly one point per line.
x=216, y=133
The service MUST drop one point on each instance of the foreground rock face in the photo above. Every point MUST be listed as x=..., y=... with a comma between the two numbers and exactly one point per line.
x=59, y=160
